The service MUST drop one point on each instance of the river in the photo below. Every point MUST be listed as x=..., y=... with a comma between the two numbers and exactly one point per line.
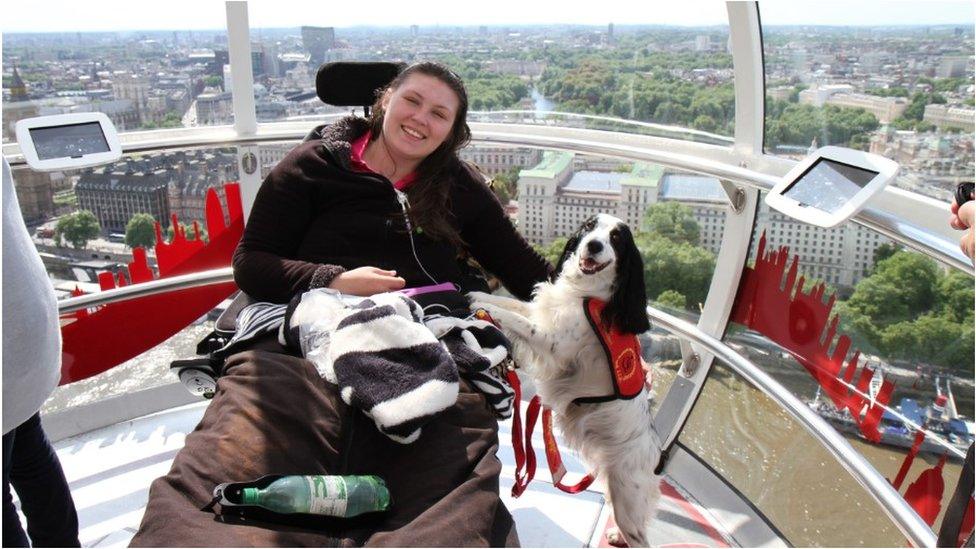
x=540, y=103
x=777, y=464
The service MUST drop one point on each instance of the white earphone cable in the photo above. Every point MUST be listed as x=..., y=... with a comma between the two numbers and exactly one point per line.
x=404, y=205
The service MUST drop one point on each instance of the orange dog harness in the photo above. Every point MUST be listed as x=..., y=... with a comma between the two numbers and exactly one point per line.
x=623, y=356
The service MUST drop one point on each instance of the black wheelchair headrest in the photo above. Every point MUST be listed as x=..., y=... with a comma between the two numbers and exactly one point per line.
x=354, y=84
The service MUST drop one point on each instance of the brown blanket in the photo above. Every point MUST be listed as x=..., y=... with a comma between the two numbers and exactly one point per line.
x=274, y=414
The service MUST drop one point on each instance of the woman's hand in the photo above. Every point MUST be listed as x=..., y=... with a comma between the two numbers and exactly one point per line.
x=366, y=281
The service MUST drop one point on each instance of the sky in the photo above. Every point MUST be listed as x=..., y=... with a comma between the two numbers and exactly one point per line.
x=113, y=15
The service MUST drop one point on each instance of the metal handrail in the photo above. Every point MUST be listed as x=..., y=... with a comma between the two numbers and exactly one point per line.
x=620, y=145
x=904, y=233
x=900, y=513
x=485, y=116
x=143, y=289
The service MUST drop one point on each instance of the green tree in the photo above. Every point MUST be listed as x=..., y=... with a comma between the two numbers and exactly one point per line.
x=883, y=252
x=874, y=306
x=798, y=124
x=214, y=82
x=77, y=228
x=908, y=309
x=672, y=299
x=959, y=354
x=504, y=185
x=930, y=338
x=901, y=287
x=510, y=179
x=673, y=221
x=187, y=230
x=704, y=123
x=895, y=91
x=141, y=231
x=916, y=109
x=944, y=84
x=552, y=251
x=916, y=278
x=501, y=191
x=679, y=266
x=171, y=120
x=955, y=296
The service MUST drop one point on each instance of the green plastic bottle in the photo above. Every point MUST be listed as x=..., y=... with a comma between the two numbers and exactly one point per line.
x=329, y=495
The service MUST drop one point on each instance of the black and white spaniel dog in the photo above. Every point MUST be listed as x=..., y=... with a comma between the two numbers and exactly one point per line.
x=554, y=342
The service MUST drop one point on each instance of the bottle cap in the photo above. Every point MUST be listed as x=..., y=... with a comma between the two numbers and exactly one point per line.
x=249, y=496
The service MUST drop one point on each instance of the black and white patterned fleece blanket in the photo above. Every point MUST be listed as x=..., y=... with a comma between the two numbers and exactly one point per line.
x=389, y=360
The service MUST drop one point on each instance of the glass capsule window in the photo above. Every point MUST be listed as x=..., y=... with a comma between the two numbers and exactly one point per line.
x=145, y=69
x=891, y=78
x=793, y=481
x=878, y=343
x=637, y=70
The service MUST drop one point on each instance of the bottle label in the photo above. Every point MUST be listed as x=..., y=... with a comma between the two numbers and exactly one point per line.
x=328, y=495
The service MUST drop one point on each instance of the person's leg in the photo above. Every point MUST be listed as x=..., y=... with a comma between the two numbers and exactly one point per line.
x=445, y=486
x=37, y=476
x=272, y=414
x=13, y=532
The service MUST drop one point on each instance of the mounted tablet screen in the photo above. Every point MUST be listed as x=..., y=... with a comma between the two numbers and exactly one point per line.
x=828, y=185
x=831, y=185
x=68, y=141
x=71, y=140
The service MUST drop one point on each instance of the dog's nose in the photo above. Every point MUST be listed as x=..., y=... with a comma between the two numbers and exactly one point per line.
x=594, y=247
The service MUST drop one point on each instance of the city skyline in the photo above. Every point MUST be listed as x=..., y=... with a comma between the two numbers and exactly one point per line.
x=64, y=16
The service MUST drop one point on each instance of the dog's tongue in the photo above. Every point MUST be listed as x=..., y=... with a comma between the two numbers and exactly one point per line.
x=589, y=263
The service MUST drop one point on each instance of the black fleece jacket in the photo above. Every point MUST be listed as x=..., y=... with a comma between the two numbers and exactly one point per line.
x=313, y=210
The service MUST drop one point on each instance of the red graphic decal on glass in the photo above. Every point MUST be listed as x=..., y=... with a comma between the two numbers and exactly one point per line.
x=909, y=459
x=925, y=494
x=796, y=320
x=101, y=338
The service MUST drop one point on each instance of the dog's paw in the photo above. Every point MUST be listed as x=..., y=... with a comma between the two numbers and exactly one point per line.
x=489, y=308
x=615, y=538
x=478, y=296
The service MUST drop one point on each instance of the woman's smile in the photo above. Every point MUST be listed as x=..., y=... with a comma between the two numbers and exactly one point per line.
x=412, y=133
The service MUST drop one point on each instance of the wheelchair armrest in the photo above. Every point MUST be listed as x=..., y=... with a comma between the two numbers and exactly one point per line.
x=227, y=321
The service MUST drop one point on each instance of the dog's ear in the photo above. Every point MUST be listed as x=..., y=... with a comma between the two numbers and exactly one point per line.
x=568, y=250
x=627, y=308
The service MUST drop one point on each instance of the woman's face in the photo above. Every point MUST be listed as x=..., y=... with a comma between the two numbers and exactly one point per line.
x=419, y=116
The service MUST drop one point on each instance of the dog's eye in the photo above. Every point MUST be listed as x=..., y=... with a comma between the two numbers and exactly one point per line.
x=614, y=236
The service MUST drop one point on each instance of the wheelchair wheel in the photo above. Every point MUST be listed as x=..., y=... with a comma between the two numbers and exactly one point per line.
x=199, y=382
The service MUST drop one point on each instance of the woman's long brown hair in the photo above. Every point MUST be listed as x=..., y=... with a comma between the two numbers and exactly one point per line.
x=430, y=194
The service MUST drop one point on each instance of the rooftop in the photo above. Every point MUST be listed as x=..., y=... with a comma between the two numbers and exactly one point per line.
x=594, y=182
x=552, y=164
x=644, y=175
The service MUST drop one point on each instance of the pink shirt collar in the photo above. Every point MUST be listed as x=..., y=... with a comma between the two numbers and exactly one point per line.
x=358, y=164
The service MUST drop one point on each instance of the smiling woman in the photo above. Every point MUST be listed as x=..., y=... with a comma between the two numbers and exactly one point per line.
x=371, y=207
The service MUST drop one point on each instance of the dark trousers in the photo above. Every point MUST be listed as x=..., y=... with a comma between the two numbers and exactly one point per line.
x=32, y=467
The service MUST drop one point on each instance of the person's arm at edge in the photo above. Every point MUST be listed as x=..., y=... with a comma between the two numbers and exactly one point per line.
x=963, y=218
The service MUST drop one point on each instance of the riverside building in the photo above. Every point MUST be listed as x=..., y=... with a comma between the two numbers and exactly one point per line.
x=554, y=199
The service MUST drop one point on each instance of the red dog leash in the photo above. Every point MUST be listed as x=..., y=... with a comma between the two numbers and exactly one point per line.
x=525, y=463
x=628, y=378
